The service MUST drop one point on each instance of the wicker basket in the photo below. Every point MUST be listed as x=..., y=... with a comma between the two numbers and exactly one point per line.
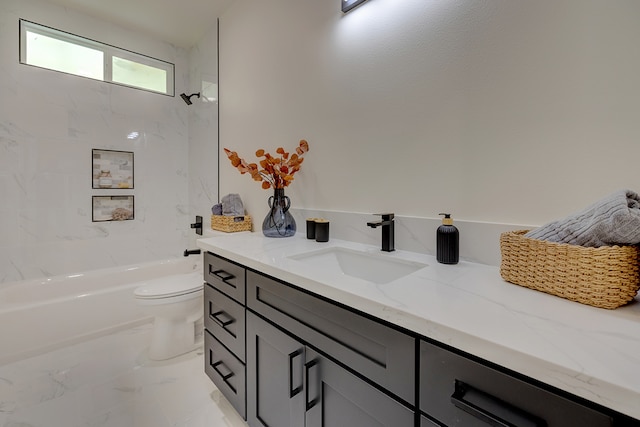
x=605, y=277
x=231, y=224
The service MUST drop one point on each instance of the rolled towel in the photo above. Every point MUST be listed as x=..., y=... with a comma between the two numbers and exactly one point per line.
x=232, y=205
x=614, y=220
x=217, y=209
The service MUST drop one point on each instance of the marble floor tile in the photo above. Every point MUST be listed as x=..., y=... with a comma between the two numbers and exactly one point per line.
x=110, y=382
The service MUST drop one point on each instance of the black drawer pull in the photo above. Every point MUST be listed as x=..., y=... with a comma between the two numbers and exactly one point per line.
x=225, y=377
x=292, y=391
x=485, y=407
x=307, y=368
x=221, y=274
x=222, y=318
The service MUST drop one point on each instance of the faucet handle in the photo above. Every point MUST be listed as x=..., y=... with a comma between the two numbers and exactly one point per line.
x=386, y=216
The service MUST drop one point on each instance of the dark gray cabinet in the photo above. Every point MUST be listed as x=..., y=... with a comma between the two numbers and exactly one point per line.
x=225, y=328
x=458, y=391
x=285, y=357
x=291, y=385
x=376, y=351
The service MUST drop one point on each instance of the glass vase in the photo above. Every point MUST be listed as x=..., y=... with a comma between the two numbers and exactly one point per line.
x=279, y=222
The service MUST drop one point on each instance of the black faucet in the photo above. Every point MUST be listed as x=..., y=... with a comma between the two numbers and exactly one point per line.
x=197, y=225
x=388, y=233
x=188, y=252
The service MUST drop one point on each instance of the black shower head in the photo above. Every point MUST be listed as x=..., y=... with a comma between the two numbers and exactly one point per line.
x=187, y=99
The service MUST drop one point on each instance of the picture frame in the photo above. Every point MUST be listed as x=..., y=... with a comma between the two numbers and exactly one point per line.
x=112, y=169
x=112, y=208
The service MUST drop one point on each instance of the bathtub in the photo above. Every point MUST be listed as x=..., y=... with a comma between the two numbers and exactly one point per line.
x=41, y=315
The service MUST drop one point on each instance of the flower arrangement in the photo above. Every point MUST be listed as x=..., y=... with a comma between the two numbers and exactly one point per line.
x=274, y=172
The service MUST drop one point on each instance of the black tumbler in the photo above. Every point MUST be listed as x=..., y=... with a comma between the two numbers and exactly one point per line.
x=322, y=230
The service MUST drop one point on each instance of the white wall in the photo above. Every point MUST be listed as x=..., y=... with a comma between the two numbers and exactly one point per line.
x=501, y=111
x=50, y=121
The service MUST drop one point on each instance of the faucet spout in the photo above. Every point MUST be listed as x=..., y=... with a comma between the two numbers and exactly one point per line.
x=188, y=252
x=388, y=231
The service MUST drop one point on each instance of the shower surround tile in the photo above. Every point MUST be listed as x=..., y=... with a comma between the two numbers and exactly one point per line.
x=50, y=122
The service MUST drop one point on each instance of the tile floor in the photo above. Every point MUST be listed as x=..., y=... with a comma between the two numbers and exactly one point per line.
x=109, y=382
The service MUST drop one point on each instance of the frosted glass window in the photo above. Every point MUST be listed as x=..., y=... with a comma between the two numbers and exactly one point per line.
x=139, y=75
x=59, y=55
x=56, y=50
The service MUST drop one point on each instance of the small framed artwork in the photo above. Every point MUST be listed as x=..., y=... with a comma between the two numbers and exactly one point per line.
x=112, y=208
x=112, y=169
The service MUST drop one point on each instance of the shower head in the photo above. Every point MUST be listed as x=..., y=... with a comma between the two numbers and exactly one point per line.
x=187, y=99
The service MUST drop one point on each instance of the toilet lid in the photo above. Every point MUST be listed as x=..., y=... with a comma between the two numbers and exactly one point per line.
x=170, y=286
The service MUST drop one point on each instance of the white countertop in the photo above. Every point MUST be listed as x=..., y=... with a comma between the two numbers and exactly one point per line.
x=590, y=352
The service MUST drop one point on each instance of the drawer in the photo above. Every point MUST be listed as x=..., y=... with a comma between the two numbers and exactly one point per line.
x=226, y=372
x=225, y=276
x=461, y=392
x=380, y=353
x=225, y=319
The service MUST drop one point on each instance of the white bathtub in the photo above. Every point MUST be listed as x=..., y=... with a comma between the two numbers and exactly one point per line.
x=41, y=315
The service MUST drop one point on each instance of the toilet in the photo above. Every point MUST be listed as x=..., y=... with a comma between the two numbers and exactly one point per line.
x=176, y=303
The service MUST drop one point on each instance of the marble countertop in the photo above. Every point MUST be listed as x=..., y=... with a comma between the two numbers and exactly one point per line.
x=590, y=352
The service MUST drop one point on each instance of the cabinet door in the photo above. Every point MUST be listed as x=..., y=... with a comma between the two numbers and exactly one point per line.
x=375, y=351
x=336, y=398
x=275, y=389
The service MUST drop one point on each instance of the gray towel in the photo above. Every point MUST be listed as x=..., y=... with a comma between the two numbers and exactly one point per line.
x=232, y=205
x=217, y=209
x=614, y=220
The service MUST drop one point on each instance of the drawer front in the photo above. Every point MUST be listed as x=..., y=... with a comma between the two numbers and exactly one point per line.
x=226, y=372
x=225, y=319
x=461, y=392
x=378, y=352
x=225, y=276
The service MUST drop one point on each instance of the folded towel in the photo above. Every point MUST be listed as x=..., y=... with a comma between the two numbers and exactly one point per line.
x=217, y=209
x=232, y=205
x=614, y=220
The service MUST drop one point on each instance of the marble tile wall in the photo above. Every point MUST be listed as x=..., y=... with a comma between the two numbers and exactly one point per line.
x=50, y=122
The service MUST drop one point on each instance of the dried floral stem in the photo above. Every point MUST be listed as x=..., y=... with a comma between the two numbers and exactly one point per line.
x=275, y=172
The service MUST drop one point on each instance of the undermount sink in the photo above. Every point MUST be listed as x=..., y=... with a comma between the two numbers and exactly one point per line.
x=373, y=267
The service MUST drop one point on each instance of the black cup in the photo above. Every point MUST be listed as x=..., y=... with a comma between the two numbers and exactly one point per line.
x=311, y=228
x=322, y=230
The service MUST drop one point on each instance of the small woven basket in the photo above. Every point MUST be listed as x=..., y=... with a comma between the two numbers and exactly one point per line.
x=231, y=224
x=605, y=277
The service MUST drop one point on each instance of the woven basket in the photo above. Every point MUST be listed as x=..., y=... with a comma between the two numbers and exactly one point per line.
x=231, y=224
x=605, y=277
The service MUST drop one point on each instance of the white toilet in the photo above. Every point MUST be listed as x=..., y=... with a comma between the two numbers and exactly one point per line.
x=176, y=302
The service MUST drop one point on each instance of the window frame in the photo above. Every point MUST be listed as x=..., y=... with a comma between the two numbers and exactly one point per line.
x=109, y=51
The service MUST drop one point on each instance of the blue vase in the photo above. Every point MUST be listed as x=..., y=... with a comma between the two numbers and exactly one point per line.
x=279, y=222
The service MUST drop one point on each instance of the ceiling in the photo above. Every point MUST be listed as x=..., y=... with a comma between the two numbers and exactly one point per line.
x=179, y=22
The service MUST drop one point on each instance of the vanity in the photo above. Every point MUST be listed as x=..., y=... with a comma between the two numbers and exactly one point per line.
x=300, y=333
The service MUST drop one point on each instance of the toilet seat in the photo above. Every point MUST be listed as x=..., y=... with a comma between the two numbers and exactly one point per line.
x=170, y=286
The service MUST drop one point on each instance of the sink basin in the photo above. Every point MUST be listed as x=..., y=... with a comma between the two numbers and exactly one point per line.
x=373, y=267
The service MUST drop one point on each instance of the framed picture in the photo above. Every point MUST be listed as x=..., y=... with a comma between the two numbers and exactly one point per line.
x=112, y=169
x=112, y=208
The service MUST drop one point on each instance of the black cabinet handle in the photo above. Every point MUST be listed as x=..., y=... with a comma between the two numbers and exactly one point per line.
x=471, y=400
x=222, y=318
x=307, y=369
x=222, y=275
x=292, y=391
x=225, y=376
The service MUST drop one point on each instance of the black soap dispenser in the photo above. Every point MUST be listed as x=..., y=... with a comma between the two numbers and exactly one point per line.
x=447, y=241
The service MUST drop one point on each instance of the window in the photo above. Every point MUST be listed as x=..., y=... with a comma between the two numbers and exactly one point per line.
x=46, y=47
